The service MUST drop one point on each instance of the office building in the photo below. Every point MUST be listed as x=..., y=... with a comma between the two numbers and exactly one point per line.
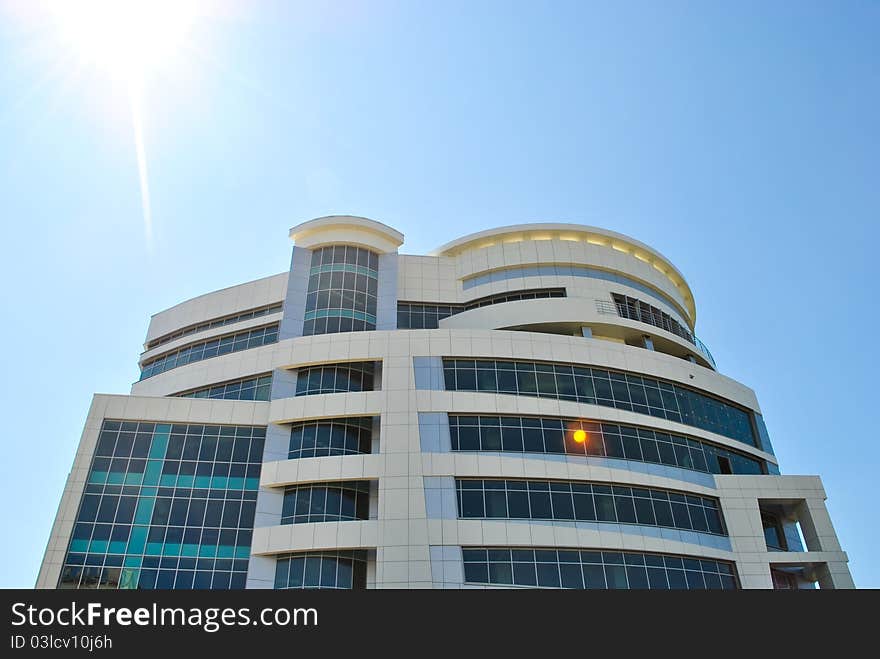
x=525, y=407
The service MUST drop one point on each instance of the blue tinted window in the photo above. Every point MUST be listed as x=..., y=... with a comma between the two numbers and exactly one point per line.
x=335, y=378
x=326, y=502
x=188, y=508
x=583, y=437
x=342, y=290
x=552, y=568
x=255, y=388
x=596, y=386
x=576, y=501
x=322, y=437
x=322, y=570
x=206, y=349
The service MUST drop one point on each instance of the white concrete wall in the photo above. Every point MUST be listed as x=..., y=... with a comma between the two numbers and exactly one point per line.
x=224, y=302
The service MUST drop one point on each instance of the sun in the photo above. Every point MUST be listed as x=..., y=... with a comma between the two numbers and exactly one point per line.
x=128, y=39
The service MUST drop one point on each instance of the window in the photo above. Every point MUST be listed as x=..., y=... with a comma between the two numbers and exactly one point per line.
x=570, y=568
x=326, y=502
x=216, y=322
x=341, y=436
x=576, y=501
x=342, y=290
x=256, y=388
x=783, y=580
x=626, y=391
x=774, y=535
x=243, y=340
x=557, y=435
x=335, y=378
x=167, y=506
x=322, y=570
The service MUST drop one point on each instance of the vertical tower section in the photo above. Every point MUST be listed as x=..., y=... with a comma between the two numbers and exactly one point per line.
x=343, y=279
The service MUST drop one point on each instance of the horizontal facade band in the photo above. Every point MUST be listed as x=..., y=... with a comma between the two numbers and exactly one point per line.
x=593, y=570
x=356, y=534
x=548, y=271
x=281, y=473
x=207, y=349
x=214, y=323
x=257, y=387
x=562, y=317
x=224, y=302
x=184, y=341
x=369, y=534
x=567, y=244
x=480, y=403
x=399, y=346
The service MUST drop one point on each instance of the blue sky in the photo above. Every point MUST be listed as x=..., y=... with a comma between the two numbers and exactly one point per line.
x=739, y=139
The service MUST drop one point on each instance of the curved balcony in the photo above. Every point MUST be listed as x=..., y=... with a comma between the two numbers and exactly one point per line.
x=633, y=312
x=567, y=316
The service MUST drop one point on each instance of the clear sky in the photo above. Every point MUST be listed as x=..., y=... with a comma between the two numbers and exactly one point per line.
x=740, y=139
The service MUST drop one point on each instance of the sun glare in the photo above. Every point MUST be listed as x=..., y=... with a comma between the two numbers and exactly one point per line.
x=126, y=38
x=130, y=41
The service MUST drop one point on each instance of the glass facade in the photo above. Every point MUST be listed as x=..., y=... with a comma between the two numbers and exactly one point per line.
x=343, y=284
x=335, y=378
x=322, y=570
x=217, y=322
x=763, y=436
x=598, y=386
x=195, y=352
x=326, y=502
x=564, y=568
x=256, y=388
x=424, y=315
x=587, y=502
x=323, y=437
x=519, y=434
x=166, y=506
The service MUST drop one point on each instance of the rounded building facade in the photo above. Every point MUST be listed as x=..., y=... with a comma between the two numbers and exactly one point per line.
x=525, y=407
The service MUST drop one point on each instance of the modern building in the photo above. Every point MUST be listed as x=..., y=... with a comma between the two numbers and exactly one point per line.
x=525, y=407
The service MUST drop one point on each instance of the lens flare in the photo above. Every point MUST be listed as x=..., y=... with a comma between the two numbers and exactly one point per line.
x=129, y=40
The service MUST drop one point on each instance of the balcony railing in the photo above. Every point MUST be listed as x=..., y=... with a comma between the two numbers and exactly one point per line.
x=705, y=352
x=632, y=312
